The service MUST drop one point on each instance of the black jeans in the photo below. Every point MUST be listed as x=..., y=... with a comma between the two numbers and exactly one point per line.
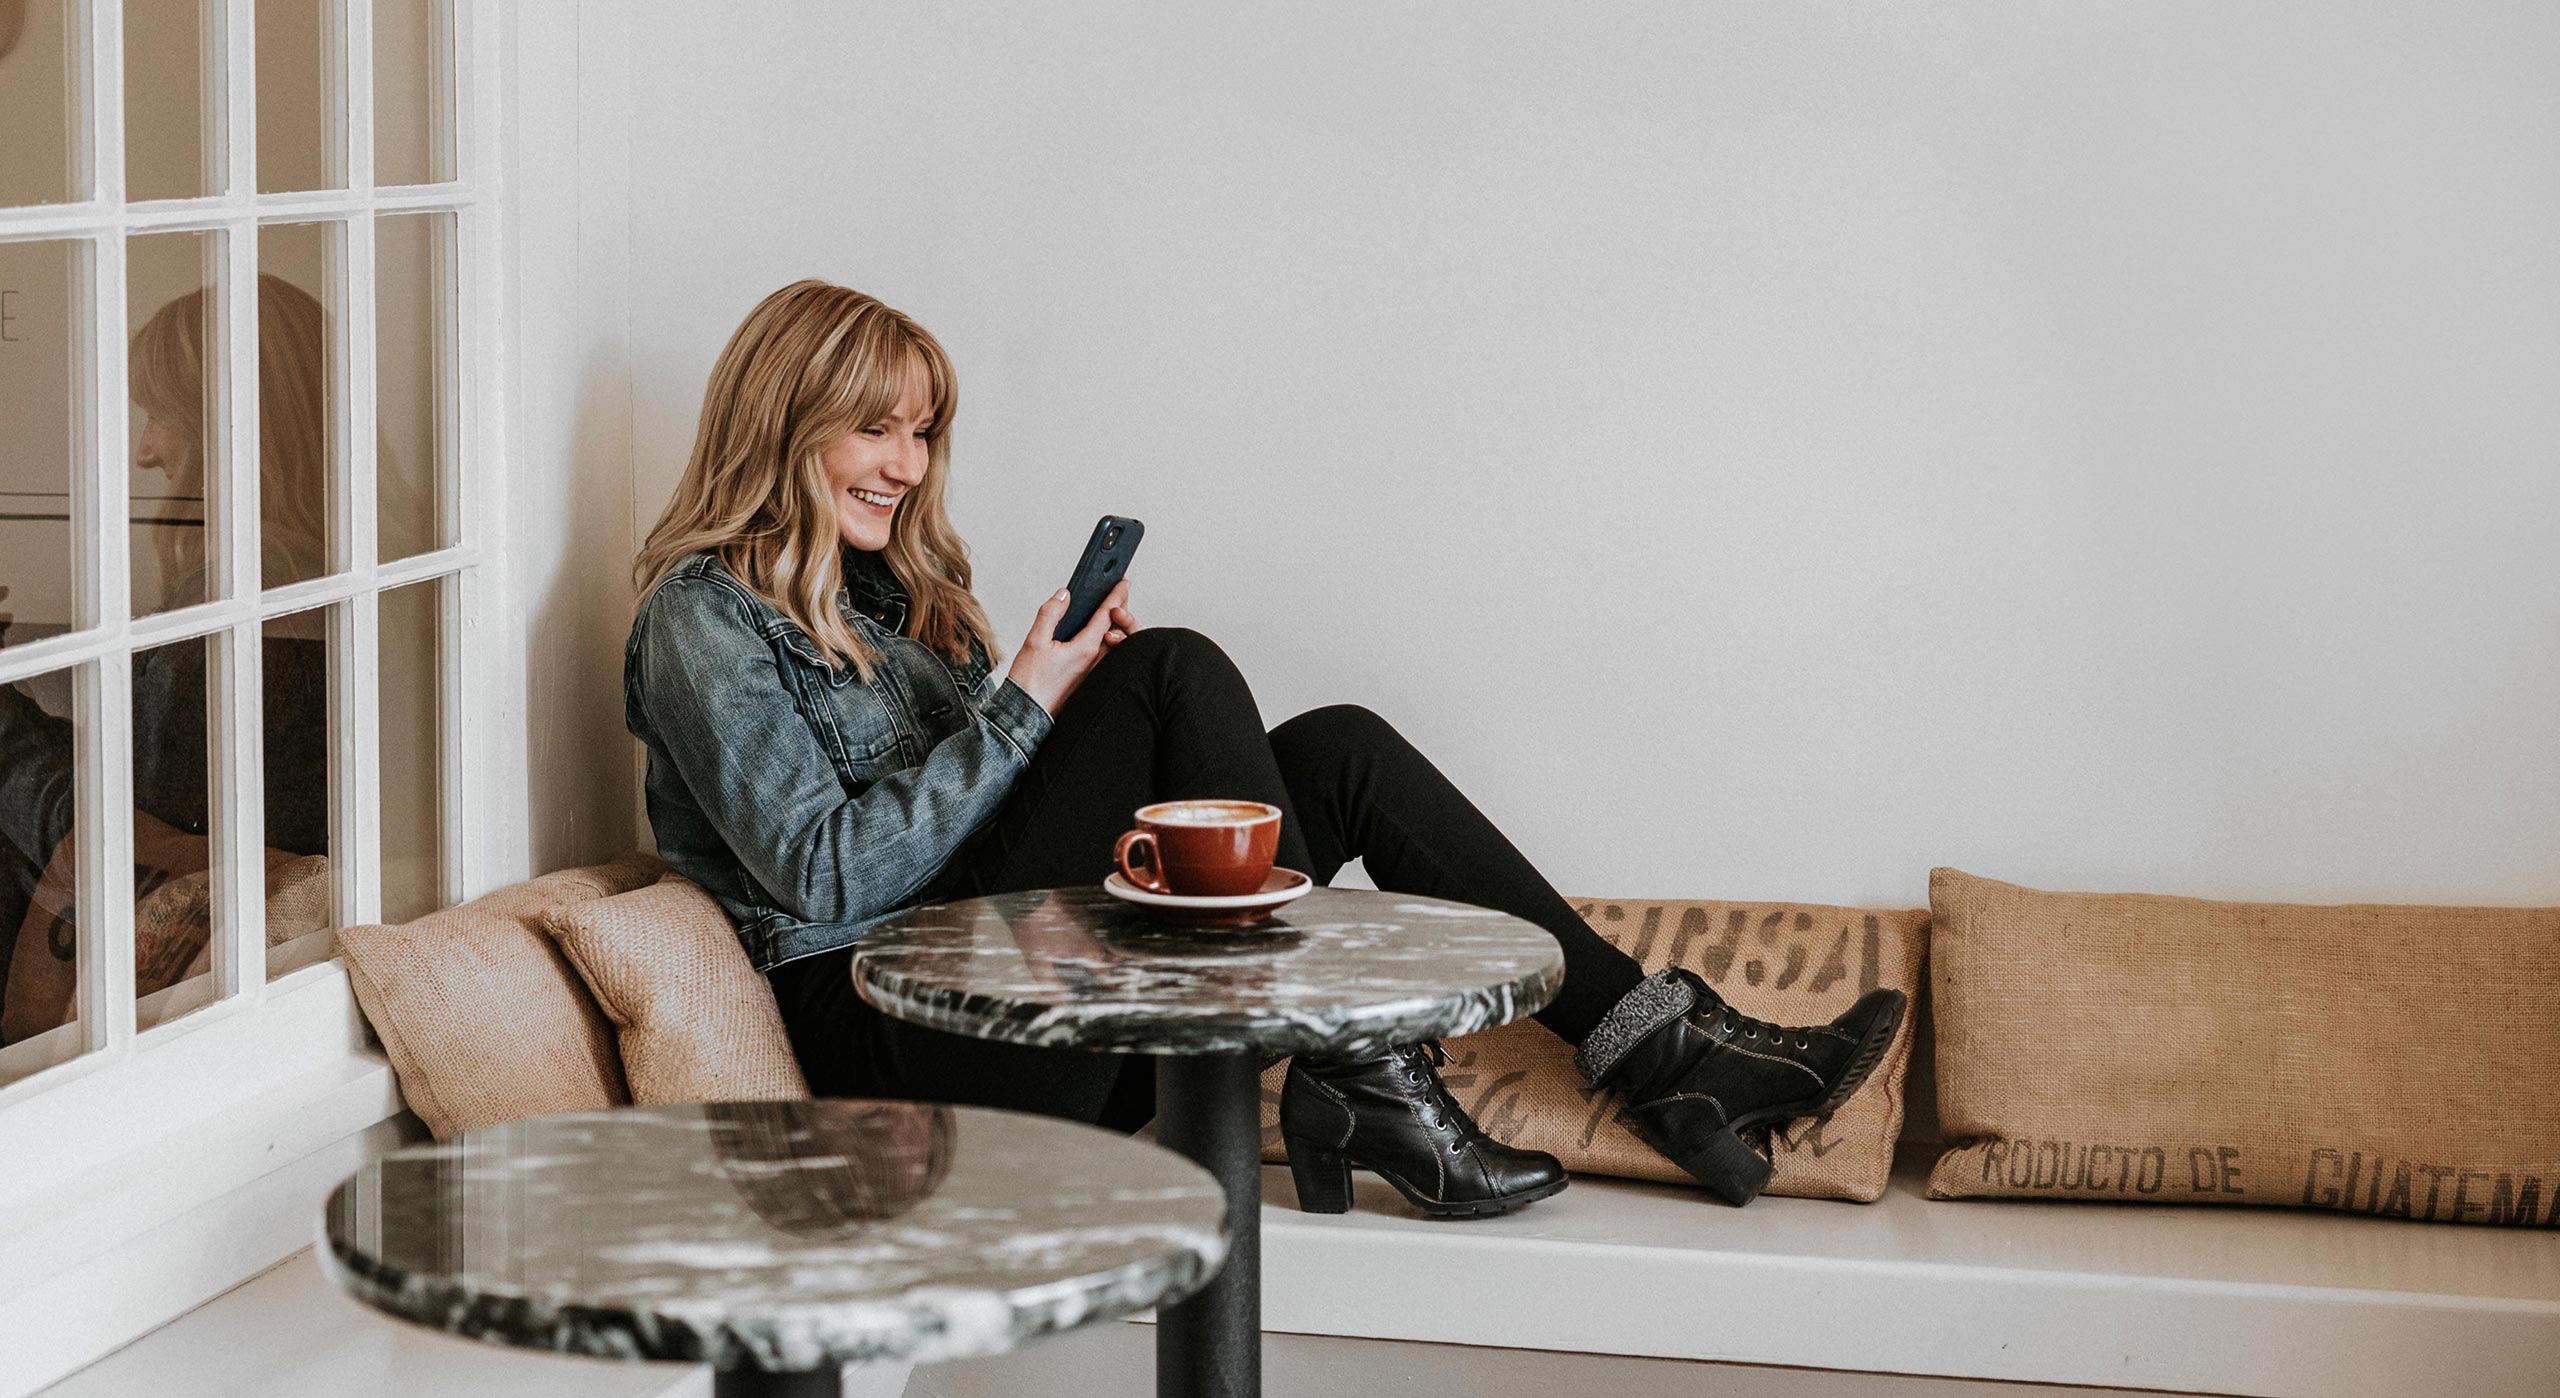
x=1166, y=716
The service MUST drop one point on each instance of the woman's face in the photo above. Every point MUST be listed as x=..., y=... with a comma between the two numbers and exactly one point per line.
x=163, y=446
x=872, y=468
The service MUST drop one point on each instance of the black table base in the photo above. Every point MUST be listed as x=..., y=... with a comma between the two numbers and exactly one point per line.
x=1209, y=1107
x=756, y=1383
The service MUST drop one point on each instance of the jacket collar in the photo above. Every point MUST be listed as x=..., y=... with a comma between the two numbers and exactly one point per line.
x=871, y=589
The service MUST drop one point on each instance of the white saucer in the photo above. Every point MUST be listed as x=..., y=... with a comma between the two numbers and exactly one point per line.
x=1281, y=887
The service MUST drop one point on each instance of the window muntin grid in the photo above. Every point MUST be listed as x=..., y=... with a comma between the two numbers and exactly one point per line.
x=234, y=620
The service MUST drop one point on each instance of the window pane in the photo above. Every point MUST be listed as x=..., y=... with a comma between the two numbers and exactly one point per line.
x=173, y=908
x=413, y=261
x=297, y=401
x=173, y=369
x=39, y=866
x=43, y=302
x=170, y=98
x=36, y=91
x=297, y=92
x=294, y=662
x=412, y=823
x=412, y=112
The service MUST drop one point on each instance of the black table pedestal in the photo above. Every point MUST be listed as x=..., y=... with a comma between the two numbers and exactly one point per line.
x=1209, y=1108
x=756, y=1383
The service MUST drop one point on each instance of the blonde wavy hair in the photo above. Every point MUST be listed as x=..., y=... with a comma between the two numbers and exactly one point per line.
x=811, y=363
x=167, y=368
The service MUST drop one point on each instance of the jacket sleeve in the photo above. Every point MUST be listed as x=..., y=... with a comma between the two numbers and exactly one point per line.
x=712, y=690
x=35, y=777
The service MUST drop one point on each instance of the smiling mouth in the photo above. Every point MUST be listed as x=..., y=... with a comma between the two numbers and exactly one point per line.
x=871, y=498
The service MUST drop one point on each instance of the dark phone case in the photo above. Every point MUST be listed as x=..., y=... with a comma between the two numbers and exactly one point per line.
x=1098, y=572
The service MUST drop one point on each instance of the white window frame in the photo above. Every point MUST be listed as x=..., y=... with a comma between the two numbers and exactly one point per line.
x=106, y=1089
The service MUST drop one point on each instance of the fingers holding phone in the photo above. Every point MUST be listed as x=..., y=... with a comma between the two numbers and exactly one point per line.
x=1048, y=668
x=1121, y=622
x=1085, y=618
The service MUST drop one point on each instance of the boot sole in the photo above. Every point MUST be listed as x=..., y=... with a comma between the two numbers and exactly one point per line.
x=1476, y=1208
x=1322, y=1176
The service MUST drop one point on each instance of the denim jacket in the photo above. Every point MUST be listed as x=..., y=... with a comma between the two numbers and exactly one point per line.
x=806, y=801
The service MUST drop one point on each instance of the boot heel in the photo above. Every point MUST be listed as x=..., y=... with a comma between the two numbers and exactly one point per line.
x=1730, y=1169
x=1322, y=1174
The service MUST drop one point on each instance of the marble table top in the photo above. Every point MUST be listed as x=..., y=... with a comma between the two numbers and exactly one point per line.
x=781, y=1236
x=1347, y=971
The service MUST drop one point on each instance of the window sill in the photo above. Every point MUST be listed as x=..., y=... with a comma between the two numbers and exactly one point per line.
x=149, y=1183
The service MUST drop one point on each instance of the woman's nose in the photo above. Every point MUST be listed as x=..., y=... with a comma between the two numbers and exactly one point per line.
x=911, y=464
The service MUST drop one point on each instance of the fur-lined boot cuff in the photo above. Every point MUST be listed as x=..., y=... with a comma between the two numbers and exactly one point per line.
x=1656, y=1000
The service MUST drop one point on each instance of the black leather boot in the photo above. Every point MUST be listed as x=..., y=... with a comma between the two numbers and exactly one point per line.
x=1394, y=1116
x=1697, y=1073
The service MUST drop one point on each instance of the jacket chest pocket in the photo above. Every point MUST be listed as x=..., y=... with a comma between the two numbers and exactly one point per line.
x=853, y=721
x=968, y=674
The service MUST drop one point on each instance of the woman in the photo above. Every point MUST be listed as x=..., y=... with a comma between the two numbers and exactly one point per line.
x=167, y=368
x=828, y=742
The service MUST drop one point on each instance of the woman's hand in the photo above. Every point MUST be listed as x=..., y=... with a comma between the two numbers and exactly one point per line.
x=1049, y=670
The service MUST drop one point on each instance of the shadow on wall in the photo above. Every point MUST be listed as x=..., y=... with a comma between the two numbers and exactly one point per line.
x=579, y=782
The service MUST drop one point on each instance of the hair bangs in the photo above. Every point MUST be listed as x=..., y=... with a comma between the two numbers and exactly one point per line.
x=165, y=363
x=879, y=358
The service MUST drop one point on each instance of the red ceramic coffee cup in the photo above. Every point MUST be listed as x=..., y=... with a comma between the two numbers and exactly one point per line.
x=1200, y=849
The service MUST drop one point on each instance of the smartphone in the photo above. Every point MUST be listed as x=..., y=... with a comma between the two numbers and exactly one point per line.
x=1105, y=562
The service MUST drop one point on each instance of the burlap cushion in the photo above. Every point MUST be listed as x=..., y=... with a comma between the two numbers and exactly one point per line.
x=1789, y=962
x=2379, y=1059
x=484, y=1019
x=697, y=1024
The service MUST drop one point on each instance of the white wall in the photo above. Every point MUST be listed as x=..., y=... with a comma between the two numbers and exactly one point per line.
x=1760, y=451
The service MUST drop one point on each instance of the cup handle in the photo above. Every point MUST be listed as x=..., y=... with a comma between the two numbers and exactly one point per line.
x=1153, y=879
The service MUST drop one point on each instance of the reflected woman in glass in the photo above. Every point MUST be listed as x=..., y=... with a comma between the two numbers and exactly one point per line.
x=171, y=820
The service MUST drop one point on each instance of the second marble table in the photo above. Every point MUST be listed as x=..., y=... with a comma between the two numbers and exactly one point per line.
x=774, y=1241
x=1342, y=971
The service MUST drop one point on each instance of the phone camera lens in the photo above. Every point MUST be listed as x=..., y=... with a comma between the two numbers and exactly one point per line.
x=1111, y=536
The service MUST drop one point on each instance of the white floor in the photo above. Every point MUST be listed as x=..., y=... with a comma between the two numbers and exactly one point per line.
x=287, y=1333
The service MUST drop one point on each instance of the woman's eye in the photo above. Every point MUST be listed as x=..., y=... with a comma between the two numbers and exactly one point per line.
x=874, y=432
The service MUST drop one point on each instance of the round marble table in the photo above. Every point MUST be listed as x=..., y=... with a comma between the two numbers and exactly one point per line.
x=1340, y=971
x=774, y=1241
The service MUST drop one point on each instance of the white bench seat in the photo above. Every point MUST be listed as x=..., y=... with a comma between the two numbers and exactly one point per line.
x=2254, y=1301
x=2192, y=1299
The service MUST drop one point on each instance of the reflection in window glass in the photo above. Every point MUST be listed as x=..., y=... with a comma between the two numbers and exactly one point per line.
x=173, y=367
x=39, y=870
x=297, y=90
x=413, y=277
x=297, y=402
x=412, y=114
x=412, y=826
x=36, y=63
x=43, y=299
x=173, y=906
x=294, y=660
x=170, y=96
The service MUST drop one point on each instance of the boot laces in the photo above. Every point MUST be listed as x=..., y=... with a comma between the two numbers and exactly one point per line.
x=1420, y=1064
x=1735, y=1023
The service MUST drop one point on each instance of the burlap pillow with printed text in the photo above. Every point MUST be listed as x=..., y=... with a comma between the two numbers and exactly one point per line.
x=2378, y=1059
x=1789, y=962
